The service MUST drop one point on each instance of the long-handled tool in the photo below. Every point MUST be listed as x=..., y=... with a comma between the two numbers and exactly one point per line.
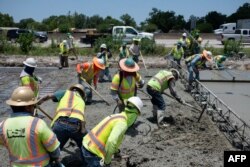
x=95, y=91
x=204, y=107
x=144, y=62
x=184, y=103
x=148, y=95
x=45, y=113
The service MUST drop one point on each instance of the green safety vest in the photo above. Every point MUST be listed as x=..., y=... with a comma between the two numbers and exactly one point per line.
x=177, y=53
x=28, y=141
x=71, y=105
x=160, y=81
x=31, y=82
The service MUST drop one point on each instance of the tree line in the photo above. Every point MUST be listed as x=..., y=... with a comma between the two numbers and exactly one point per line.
x=157, y=20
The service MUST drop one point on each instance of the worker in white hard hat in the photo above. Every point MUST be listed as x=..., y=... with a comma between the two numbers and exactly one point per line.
x=185, y=44
x=197, y=48
x=30, y=142
x=70, y=43
x=135, y=50
x=27, y=76
x=156, y=86
x=104, y=140
x=195, y=63
x=63, y=55
x=105, y=54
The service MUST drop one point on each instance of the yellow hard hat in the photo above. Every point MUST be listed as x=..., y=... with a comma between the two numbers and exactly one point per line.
x=22, y=96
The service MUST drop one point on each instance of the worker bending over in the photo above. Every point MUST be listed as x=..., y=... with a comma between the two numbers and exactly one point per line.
x=219, y=59
x=103, y=141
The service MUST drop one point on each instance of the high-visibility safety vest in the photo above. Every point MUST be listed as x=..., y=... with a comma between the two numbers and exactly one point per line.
x=186, y=42
x=30, y=81
x=95, y=140
x=87, y=73
x=125, y=88
x=160, y=81
x=177, y=53
x=199, y=63
x=63, y=48
x=218, y=59
x=28, y=141
x=71, y=105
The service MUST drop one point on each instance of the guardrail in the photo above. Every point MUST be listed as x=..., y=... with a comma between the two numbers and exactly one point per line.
x=236, y=130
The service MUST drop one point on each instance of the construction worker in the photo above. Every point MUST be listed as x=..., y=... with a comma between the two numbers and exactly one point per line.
x=64, y=49
x=104, y=139
x=27, y=76
x=105, y=54
x=197, y=46
x=156, y=86
x=124, y=83
x=30, y=142
x=88, y=71
x=71, y=45
x=177, y=52
x=69, y=121
x=219, y=59
x=124, y=53
x=135, y=50
x=185, y=44
x=195, y=63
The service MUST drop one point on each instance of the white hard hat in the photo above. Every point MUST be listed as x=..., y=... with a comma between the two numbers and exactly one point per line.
x=184, y=34
x=136, y=101
x=31, y=62
x=104, y=46
x=209, y=53
x=175, y=73
x=64, y=41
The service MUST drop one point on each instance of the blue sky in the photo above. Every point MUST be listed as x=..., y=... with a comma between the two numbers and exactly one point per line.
x=138, y=9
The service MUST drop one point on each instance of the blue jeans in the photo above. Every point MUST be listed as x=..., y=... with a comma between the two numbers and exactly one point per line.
x=90, y=159
x=64, y=132
x=157, y=98
x=192, y=70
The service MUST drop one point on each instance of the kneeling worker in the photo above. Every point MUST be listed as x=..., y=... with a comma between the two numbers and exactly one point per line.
x=156, y=85
x=105, y=138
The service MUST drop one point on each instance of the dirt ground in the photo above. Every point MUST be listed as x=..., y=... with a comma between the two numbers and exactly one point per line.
x=186, y=142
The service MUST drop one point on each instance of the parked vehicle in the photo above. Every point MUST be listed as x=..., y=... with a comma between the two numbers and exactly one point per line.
x=226, y=28
x=240, y=34
x=14, y=34
x=123, y=33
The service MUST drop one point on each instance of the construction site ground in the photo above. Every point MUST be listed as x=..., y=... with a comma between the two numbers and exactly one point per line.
x=186, y=142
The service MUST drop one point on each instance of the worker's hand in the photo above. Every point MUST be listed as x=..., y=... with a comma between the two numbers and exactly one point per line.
x=43, y=99
x=40, y=79
x=119, y=102
x=102, y=163
x=95, y=87
x=141, y=84
x=180, y=100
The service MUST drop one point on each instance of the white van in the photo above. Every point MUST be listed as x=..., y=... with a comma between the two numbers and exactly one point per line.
x=228, y=28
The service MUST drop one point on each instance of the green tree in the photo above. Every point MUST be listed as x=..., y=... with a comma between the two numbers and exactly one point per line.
x=6, y=20
x=215, y=19
x=51, y=22
x=205, y=27
x=24, y=23
x=80, y=20
x=128, y=20
x=243, y=12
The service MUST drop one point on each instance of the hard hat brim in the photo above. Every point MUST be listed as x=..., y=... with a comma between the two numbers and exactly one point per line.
x=95, y=61
x=14, y=103
x=24, y=62
x=206, y=55
x=126, y=68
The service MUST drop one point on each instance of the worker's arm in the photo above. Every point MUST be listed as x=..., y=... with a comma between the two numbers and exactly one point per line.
x=114, y=141
x=131, y=50
x=139, y=80
x=56, y=97
x=173, y=91
x=115, y=87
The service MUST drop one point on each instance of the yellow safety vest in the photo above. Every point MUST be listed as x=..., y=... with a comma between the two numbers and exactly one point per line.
x=160, y=81
x=95, y=140
x=71, y=105
x=126, y=89
x=63, y=48
x=28, y=141
x=31, y=82
x=177, y=53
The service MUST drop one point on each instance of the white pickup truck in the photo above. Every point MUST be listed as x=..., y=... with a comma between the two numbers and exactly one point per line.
x=127, y=33
x=240, y=34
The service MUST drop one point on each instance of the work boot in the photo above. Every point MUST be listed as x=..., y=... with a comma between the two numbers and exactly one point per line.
x=160, y=119
x=109, y=78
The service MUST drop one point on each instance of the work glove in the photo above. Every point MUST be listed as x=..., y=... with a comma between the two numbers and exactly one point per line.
x=103, y=164
x=40, y=79
x=180, y=100
x=95, y=87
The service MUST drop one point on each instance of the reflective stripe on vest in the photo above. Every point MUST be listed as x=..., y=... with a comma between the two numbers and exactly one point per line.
x=127, y=89
x=30, y=82
x=71, y=105
x=95, y=135
x=34, y=158
x=159, y=82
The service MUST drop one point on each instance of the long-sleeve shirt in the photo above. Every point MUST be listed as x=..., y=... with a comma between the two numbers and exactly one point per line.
x=134, y=49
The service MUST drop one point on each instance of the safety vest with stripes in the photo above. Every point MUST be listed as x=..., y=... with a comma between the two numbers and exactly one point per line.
x=31, y=82
x=160, y=81
x=28, y=141
x=88, y=73
x=177, y=53
x=198, y=64
x=95, y=140
x=71, y=105
x=125, y=88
